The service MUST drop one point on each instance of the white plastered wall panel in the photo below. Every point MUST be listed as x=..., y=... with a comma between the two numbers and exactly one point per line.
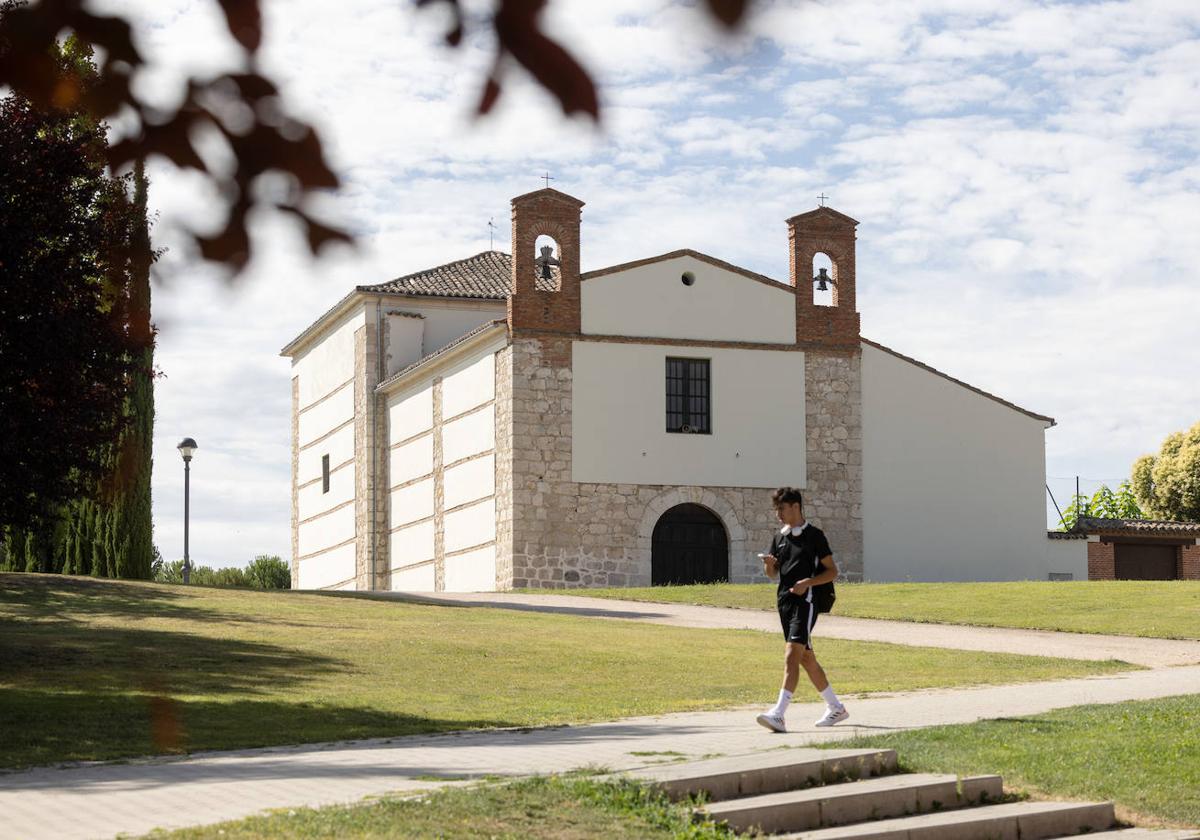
x=412, y=460
x=472, y=571
x=446, y=321
x=328, y=363
x=327, y=415
x=618, y=419
x=339, y=446
x=414, y=579
x=1067, y=557
x=469, y=481
x=471, y=526
x=406, y=336
x=412, y=503
x=410, y=413
x=411, y=544
x=313, y=501
x=469, y=435
x=328, y=569
x=469, y=385
x=953, y=482
x=333, y=528
x=720, y=305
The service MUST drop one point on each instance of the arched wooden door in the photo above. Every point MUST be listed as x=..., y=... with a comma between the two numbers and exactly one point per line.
x=689, y=545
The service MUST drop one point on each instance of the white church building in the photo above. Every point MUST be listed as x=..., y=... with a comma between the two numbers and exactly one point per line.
x=510, y=421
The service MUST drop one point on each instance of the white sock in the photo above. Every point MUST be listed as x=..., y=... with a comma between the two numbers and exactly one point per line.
x=781, y=705
x=830, y=698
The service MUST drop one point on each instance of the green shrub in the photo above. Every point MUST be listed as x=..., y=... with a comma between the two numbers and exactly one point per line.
x=268, y=571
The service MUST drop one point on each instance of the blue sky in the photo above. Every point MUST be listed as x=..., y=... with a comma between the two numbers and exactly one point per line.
x=1025, y=175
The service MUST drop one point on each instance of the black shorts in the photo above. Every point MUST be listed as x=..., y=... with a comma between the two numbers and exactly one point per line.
x=797, y=617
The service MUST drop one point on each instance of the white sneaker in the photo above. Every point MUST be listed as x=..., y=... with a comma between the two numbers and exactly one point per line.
x=832, y=716
x=772, y=722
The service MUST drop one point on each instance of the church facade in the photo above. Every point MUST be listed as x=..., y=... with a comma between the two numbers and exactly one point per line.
x=511, y=421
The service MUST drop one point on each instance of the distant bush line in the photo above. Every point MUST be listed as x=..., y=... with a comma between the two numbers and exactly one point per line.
x=266, y=571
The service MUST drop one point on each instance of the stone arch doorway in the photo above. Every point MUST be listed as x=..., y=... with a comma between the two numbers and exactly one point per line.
x=689, y=545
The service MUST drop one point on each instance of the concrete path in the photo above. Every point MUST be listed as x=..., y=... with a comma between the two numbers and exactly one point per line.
x=1152, y=653
x=106, y=799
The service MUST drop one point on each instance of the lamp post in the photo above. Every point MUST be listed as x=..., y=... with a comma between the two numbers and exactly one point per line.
x=186, y=447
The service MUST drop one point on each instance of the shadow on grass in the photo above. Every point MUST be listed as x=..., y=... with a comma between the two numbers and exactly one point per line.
x=66, y=598
x=45, y=727
x=67, y=656
x=482, y=601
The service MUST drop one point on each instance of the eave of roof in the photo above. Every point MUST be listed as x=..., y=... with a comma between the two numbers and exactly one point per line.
x=459, y=344
x=949, y=378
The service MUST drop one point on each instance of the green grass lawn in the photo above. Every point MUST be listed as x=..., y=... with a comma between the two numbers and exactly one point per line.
x=1144, y=755
x=95, y=669
x=554, y=808
x=1159, y=609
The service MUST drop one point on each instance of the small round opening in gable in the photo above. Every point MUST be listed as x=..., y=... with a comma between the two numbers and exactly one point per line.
x=688, y=278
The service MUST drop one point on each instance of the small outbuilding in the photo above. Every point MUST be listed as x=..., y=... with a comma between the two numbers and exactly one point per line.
x=1129, y=549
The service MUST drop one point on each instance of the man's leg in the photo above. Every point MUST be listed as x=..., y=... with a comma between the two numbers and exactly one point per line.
x=835, y=712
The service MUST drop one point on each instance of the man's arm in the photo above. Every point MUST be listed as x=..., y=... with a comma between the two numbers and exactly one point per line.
x=829, y=572
x=770, y=566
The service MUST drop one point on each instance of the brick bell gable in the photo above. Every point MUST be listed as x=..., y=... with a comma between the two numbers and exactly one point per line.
x=545, y=212
x=824, y=231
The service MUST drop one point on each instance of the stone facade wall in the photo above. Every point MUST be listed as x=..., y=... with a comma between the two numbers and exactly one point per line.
x=833, y=491
x=372, y=569
x=1101, y=561
x=569, y=534
x=1189, y=562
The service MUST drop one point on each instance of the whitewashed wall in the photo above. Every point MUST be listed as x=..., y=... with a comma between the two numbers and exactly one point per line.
x=411, y=502
x=1067, y=557
x=465, y=441
x=953, y=482
x=652, y=300
x=325, y=373
x=469, y=480
x=618, y=419
x=405, y=340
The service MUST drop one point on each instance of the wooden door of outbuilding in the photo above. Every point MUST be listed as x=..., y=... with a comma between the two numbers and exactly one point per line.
x=1146, y=561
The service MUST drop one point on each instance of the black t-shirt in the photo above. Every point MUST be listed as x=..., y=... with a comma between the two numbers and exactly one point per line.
x=799, y=558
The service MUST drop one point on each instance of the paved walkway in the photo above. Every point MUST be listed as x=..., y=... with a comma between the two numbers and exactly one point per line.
x=1152, y=653
x=105, y=799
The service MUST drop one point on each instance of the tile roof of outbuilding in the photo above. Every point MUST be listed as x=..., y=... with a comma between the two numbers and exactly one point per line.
x=1155, y=527
x=485, y=276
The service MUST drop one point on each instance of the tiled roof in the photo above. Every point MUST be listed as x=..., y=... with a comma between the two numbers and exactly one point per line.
x=486, y=276
x=1158, y=527
x=1066, y=535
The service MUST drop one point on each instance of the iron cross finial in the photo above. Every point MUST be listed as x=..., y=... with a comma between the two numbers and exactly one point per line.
x=822, y=198
x=547, y=179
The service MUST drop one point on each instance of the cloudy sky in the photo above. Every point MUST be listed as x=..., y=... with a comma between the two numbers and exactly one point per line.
x=1025, y=174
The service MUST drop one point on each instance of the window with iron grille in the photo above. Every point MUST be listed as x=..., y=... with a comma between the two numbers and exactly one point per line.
x=324, y=473
x=688, y=389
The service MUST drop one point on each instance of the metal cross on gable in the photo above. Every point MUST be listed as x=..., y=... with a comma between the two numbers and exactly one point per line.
x=547, y=178
x=822, y=198
x=492, y=234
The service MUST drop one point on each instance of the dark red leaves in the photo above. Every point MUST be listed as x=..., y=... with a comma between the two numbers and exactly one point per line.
x=729, y=12
x=555, y=69
x=244, y=19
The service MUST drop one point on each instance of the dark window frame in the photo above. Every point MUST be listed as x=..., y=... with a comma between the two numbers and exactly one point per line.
x=324, y=473
x=688, y=395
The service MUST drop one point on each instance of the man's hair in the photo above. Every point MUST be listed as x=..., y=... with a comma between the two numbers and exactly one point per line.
x=787, y=496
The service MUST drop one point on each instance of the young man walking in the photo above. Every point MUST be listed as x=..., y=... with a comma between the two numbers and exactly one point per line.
x=800, y=556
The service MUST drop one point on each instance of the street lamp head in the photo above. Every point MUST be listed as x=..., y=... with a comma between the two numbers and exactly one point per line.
x=186, y=447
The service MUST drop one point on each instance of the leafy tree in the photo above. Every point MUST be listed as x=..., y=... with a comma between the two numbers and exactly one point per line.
x=1168, y=484
x=268, y=571
x=247, y=110
x=1104, y=504
x=65, y=351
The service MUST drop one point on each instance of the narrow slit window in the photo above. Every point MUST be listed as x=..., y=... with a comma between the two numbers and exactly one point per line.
x=689, y=389
x=324, y=473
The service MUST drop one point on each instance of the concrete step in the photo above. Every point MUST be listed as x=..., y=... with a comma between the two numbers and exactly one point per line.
x=758, y=773
x=850, y=802
x=1150, y=834
x=1012, y=821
